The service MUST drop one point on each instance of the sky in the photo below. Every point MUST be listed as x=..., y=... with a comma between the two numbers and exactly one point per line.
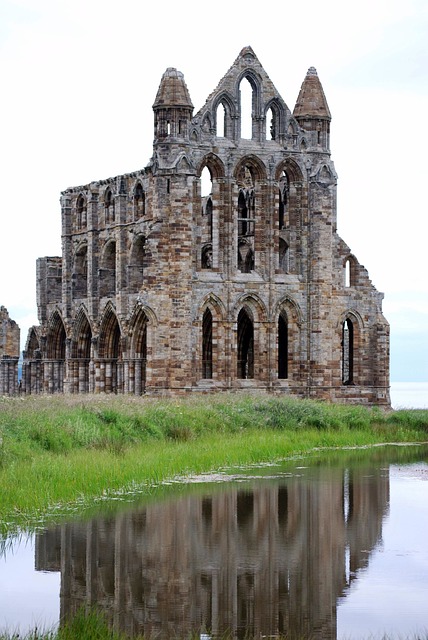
x=78, y=79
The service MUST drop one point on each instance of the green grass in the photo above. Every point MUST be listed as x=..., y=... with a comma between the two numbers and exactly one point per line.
x=59, y=454
x=94, y=626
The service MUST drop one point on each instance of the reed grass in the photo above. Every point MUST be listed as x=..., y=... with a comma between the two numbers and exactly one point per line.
x=62, y=454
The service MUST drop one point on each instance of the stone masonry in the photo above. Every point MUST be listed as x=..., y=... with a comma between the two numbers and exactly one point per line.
x=9, y=353
x=166, y=285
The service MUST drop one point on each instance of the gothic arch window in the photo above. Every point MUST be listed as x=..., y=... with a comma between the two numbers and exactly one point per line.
x=348, y=351
x=271, y=125
x=137, y=263
x=55, y=338
x=109, y=341
x=284, y=188
x=109, y=206
x=221, y=121
x=207, y=345
x=283, y=256
x=282, y=346
x=350, y=272
x=245, y=367
x=139, y=201
x=81, y=212
x=246, y=102
x=138, y=361
x=80, y=273
x=80, y=354
x=246, y=212
x=107, y=271
x=245, y=257
x=207, y=257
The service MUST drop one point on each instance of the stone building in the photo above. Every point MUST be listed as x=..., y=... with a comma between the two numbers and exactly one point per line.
x=169, y=282
x=9, y=353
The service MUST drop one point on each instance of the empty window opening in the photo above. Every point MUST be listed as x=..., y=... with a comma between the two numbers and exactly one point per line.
x=347, y=352
x=246, y=95
x=206, y=182
x=245, y=258
x=107, y=272
x=221, y=121
x=207, y=345
x=139, y=201
x=284, y=189
x=80, y=273
x=168, y=128
x=81, y=212
x=109, y=206
x=137, y=264
x=284, y=256
x=271, y=125
x=282, y=347
x=245, y=345
x=207, y=257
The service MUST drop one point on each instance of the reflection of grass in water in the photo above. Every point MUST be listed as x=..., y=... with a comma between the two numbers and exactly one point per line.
x=94, y=626
x=60, y=454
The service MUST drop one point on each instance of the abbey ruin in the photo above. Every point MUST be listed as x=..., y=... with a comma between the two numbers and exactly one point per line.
x=171, y=283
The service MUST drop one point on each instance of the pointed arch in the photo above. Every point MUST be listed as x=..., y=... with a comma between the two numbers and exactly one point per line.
x=139, y=201
x=80, y=272
x=137, y=364
x=350, y=341
x=289, y=356
x=32, y=346
x=109, y=338
x=109, y=206
x=81, y=336
x=80, y=352
x=55, y=337
x=207, y=344
x=274, y=118
x=107, y=271
x=81, y=212
x=245, y=339
x=137, y=263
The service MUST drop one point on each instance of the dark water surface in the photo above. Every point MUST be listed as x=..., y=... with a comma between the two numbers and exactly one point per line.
x=321, y=547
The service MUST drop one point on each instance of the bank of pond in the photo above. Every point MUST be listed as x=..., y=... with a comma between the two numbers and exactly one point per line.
x=66, y=460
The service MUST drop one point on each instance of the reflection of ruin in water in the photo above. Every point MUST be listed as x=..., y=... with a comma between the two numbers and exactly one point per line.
x=266, y=560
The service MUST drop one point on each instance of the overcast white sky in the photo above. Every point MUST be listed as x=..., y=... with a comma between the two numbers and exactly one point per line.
x=79, y=77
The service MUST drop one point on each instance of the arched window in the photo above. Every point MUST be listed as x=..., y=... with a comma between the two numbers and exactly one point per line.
x=137, y=263
x=283, y=200
x=207, y=345
x=283, y=256
x=349, y=272
x=221, y=120
x=246, y=95
x=81, y=212
x=80, y=273
x=245, y=345
x=271, y=125
x=109, y=206
x=139, y=201
x=246, y=220
x=207, y=257
x=282, y=346
x=347, y=352
x=107, y=272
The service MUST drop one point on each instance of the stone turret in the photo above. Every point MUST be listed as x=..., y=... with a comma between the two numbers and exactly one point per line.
x=311, y=110
x=173, y=107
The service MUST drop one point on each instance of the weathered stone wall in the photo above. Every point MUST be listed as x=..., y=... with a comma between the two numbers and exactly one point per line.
x=162, y=288
x=9, y=353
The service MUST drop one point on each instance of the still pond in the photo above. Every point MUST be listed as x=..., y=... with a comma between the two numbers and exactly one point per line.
x=328, y=546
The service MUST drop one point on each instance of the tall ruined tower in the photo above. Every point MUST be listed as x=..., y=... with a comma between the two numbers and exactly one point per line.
x=218, y=266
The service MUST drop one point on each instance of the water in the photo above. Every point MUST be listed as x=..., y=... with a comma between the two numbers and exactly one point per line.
x=317, y=547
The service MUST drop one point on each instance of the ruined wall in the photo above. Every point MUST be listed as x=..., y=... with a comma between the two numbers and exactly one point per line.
x=165, y=288
x=9, y=353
